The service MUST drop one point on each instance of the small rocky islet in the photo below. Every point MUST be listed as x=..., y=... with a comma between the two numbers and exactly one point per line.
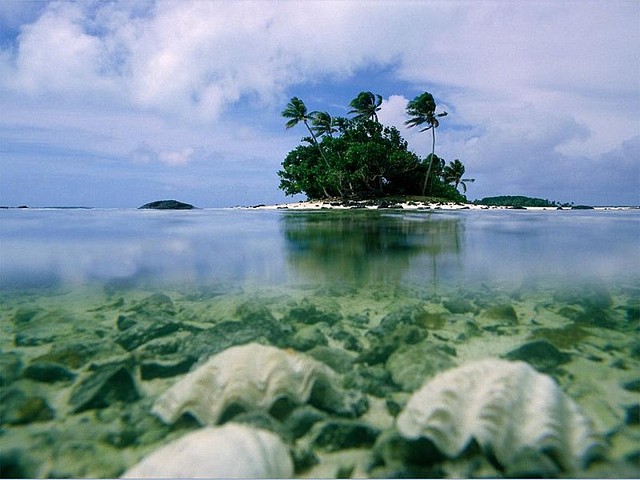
x=83, y=372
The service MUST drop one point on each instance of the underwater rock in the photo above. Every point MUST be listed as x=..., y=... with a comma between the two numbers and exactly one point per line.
x=42, y=327
x=503, y=313
x=308, y=313
x=302, y=419
x=230, y=451
x=264, y=421
x=248, y=377
x=163, y=347
x=147, y=309
x=590, y=296
x=381, y=345
x=24, y=315
x=308, y=337
x=10, y=367
x=75, y=355
x=150, y=369
x=632, y=414
x=254, y=311
x=348, y=340
x=17, y=463
x=19, y=408
x=405, y=458
x=236, y=332
x=459, y=305
x=336, y=435
x=632, y=385
x=563, y=337
x=413, y=314
x=140, y=333
x=542, y=355
x=105, y=385
x=374, y=380
x=48, y=372
x=411, y=365
x=509, y=409
x=336, y=358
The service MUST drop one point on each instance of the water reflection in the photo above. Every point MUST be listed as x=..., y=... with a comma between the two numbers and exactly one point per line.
x=371, y=247
x=237, y=247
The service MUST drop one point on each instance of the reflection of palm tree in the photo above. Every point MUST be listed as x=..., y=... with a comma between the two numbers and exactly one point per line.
x=422, y=109
x=365, y=106
x=367, y=247
x=454, y=172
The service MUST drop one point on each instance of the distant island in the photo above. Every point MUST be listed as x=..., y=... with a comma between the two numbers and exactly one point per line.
x=515, y=201
x=521, y=201
x=167, y=205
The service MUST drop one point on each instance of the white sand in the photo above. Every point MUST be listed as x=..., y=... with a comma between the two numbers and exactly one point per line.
x=338, y=205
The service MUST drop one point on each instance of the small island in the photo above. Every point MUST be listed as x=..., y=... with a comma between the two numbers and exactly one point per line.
x=359, y=158
x=166, y=205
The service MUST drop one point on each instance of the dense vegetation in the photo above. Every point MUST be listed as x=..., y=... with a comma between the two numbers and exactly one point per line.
x=515, y=201
x=358, y=157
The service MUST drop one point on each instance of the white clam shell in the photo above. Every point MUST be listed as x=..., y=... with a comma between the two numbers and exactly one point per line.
x=507, y=407
x=253, y=376
x=229, y=451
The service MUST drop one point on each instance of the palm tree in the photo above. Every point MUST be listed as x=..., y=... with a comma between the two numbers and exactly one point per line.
x=296, y=112
x=422, y=109
x=365, y=106
x=323, y=124
x=341, y=123
x=454, y=172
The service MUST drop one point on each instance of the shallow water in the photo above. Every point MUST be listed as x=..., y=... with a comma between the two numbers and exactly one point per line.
x=478, y=283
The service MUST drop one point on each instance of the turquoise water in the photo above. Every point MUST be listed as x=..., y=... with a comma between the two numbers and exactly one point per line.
x=476, y=283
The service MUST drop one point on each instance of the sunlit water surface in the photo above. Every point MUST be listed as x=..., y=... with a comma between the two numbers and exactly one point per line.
x=571, y=277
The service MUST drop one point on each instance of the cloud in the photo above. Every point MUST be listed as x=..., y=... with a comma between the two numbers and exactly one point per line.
x=528, y=86
x=177, y=158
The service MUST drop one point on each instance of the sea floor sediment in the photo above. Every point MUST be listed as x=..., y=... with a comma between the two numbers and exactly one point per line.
x=83, y=366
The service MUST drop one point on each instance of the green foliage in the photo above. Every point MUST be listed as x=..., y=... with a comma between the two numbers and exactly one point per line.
x=365, y=106
x=357, y=158
x=422, y=110
x=454, y=172
x=515, y=201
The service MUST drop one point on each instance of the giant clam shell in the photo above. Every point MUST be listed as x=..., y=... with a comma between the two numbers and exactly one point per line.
x=252, y=376
x=230, y=451
x=509, y=409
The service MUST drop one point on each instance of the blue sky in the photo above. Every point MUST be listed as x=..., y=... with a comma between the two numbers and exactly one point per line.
x=115, y=104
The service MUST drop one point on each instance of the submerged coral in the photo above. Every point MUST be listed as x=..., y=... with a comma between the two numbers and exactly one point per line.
x=515, y=414
x=250, y=376
x=230, y=451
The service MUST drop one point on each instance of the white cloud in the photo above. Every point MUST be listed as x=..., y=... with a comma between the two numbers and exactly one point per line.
x=181, y=82
x=178, y=158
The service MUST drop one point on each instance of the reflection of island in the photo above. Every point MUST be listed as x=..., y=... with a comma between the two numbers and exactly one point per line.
x=368, y=247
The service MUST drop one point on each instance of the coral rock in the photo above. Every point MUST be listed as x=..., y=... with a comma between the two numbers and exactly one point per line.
x=509, y=409
x=230, y=451
x=250, y=376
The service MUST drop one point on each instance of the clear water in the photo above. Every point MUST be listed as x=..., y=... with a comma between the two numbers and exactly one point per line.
x=77, y=247
x=91, y=264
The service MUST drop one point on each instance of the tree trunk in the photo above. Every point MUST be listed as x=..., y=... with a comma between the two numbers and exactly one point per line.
x=433, y=150
x=315, y=140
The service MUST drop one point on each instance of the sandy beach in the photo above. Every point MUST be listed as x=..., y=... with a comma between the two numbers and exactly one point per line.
x=336, y=204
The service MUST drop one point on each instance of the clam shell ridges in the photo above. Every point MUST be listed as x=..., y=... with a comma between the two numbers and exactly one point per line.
x=253, y=376
x=230, y=451
x=507, y=407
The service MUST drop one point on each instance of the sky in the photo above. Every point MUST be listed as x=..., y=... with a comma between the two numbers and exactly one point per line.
x=119, y=103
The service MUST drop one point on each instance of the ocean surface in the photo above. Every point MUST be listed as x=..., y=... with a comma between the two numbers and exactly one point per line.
x=78, y=386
